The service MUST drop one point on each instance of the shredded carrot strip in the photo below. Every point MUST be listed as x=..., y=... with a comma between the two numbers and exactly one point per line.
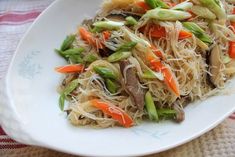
x=70, y=68
x=169, y=78
x=115, y=112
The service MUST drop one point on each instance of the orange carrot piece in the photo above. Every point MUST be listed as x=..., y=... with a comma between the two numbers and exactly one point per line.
x=115, y=112
x=143, y=5
x=157, y=31
x=150, y=57
x=232, y=49
x=184, y=34
x=106, y=35
x=156, y=51
x=88, y=37
x=233, y=25
x=169, y=78
x=232, y=43
x=73, y=68
x=233, y=11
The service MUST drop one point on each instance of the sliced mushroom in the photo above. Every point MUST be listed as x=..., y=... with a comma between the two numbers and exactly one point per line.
x=215, y=65
x=105, y=52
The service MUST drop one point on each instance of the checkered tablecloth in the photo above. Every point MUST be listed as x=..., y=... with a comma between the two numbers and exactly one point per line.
x=15, y=18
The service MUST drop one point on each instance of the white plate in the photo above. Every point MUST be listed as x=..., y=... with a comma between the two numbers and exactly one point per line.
x=29, y=102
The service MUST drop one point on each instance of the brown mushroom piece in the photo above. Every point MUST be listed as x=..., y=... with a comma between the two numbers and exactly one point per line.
x=131, y=84
x=215, y=65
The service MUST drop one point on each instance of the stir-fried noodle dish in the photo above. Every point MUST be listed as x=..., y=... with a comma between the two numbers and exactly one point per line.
x=146, y=60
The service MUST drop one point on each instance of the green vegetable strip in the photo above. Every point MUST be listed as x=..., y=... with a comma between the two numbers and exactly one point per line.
x=226, y=59
x=203, y=12
x=110, y=25
x=73, y=51
x=61, y=102
x=117, y=56
x=167, y=14
x=183, y=6
x=150, y=106
x=198, y=32
x=133, y=37
x=111, y=86
x=70, y=87
x=67, y=42
x=215, y=7
x=126, y=47
x=90, y=58
x=131, y=21
x=161, y=4
x=217, y=2
x=105, y=72
x=149, y=75
x=96, y=30
x=59, y=52
x=151, y=3
x=76, y=59
x=73, y=54
x=166, y=113
x=156, y=3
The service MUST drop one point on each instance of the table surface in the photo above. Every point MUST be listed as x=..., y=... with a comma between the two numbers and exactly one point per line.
x=15, y=18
